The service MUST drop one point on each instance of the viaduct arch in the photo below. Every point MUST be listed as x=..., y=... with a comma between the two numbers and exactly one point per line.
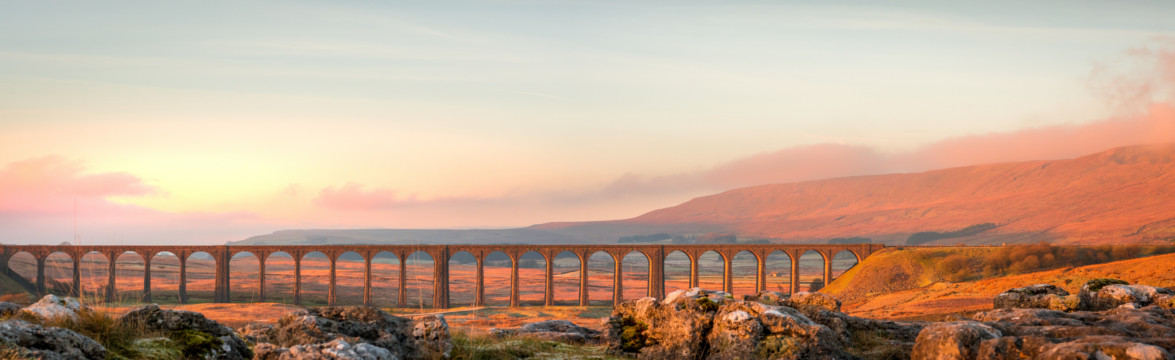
x=441, y=254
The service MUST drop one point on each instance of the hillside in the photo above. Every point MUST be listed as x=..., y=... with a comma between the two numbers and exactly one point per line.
x=1119, y=195
x=903, y=284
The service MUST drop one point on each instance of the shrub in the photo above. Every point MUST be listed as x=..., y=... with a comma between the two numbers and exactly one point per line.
x=632, y=335
x=955, y=268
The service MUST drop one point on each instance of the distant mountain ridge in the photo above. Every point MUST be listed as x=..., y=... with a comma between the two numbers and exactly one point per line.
x=1122, y=195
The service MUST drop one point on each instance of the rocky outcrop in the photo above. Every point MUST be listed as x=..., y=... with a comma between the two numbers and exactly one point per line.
x=701, y=324
x=552, y=330
x=1130, y=322
x=256, y=333
x=337, y=349
x=51, y=308
x=1095, y=295
x=200, y=336
x=307, y=331
x=816, y=299
x=948, y=341
x=50, y=343
x=1040, y=296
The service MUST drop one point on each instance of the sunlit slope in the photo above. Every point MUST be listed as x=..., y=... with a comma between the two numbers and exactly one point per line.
x=1117, y=196
x=931, y=296
x=892, y=270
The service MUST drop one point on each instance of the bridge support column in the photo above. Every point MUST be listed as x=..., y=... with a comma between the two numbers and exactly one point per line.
x=728, y=273
x=693, y=272
x=479, y=296
x=330, y=288
x=221, y=295
x=827, y=270
x=110, y=288
x=402, y=298
x=795, y=273
x=761, y=274
x=183, y=292
x=440, y=293
x=657, y=274
x=41, y=276
x=76, y=291
x=146, y=279
x=514, y=281
x=618, y=282
x=583, y=280
x=549, y=282
x=297, y=279
x=261, y=278
x=367, y=281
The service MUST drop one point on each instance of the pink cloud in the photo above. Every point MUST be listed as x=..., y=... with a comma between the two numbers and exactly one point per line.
x=41, y=200
x=51, y=183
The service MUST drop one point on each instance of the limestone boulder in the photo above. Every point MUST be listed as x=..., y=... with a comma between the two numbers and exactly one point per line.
x=553, y=330
x=337, y=349
x=219, y=341
x=424, y=338
x=769, y=297
x=658, y=330
x=51, y=343
x=1040, y=296
x=820, y=300
x=699, y=324
x=1104, y=347
x=255, y=333
x=735, y=335
x=53, y=307
x=430, y=333
x=952, y=341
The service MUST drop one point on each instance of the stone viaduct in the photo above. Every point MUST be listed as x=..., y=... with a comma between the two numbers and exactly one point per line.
x=441, y=254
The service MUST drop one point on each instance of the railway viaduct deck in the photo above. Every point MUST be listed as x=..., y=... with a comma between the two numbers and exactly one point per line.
x=441, y=254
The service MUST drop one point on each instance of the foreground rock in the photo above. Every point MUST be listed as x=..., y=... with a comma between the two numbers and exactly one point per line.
x=35, y=342
x=1040, y=296
x=552, y=330
x=54, y=308
x=337, y=349
x=8, y=309
x=355, y=331
x=701, y=324
x=1128, y=322
x=199, y=337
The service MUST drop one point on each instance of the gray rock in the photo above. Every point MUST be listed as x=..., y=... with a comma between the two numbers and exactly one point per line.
x=553, y=330
x=51, y=307
x=695, y=324
x=337, y=349
x=8, y=309
x=425, y=338
x=735, y=335
x=431, y=335
x=1040, y=296
x=49, y=343
x=816, y=299
x=231, y=347
x=256, y=333
x=950, y=341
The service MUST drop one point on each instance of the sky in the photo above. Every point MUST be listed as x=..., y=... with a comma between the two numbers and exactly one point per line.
x=146, y=122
